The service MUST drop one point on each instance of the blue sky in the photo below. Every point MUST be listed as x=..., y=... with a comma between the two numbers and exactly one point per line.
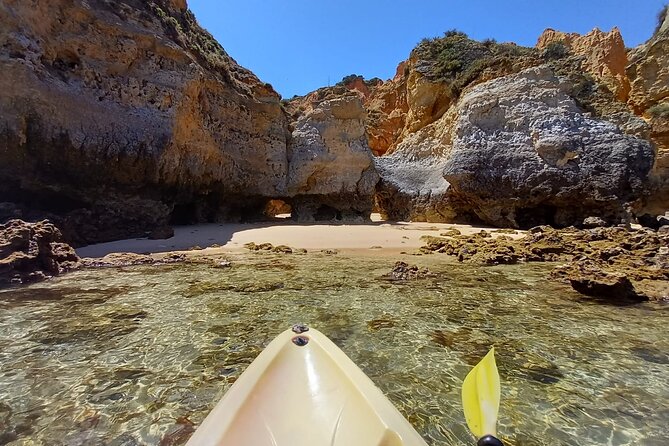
x=301, y=45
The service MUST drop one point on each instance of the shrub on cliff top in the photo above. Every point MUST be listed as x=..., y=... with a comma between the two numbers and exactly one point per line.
x=659, y=110
x=458, y=60
x=555, y=50
x=350, y=78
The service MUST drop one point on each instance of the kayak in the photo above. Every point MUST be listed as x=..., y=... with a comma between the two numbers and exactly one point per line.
x=303, y=390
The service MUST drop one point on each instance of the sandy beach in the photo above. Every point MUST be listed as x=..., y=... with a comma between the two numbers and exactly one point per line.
x=375, y=235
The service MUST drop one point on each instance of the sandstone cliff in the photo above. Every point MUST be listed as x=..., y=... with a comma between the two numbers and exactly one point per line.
x=555, y=146
x=117, y=117
x=648, y=72
x=480, y=142
x=604, y=56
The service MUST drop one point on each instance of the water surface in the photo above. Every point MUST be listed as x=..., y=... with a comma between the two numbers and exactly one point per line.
x=138, y=356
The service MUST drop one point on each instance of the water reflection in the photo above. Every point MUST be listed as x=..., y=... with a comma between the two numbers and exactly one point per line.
x=138, y=356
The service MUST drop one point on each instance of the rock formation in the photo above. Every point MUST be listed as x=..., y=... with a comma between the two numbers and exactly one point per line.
x=648, y=72
x=612, y=263
x=581, y=91
x=117, y=118
x=331, y=174
x=604, y=54
x=33, y=251
x=523, y=153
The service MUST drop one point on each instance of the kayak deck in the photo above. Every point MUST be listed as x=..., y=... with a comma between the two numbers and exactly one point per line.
x=303, y=390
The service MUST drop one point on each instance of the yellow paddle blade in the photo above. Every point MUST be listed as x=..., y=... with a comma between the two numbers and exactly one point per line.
x=480, y=396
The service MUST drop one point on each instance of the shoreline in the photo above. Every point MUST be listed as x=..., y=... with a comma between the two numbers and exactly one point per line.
x=213, y=238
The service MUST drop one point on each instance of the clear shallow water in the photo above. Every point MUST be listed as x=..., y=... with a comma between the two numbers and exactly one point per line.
x=138, y=356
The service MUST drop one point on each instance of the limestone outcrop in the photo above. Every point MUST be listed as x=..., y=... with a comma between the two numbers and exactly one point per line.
x=105, y=101
x=615, y=263
x=30, y=252
x=524, y=153
x=331, y=174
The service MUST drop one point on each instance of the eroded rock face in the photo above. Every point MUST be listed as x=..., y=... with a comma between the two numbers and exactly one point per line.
x=612, y=263
x=387, y=109
x=331, y=174
x=31, y=252
x=648, y=71
x=412, y=185
x=523, y=153
x=102, y=101
x=605, y=56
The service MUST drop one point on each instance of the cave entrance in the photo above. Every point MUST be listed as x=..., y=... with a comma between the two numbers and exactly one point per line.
x=277, y=208
x=538, y=215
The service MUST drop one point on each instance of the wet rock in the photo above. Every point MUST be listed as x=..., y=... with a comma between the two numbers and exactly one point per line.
x=403, y=271
x=539, y=229
x=252, y=246
x=642, y=256
x=121, y=259
x=594, y=222
x=33, y=251
x=381, y=322
x=652, y=221
x=505, y=231
x=161, y=233
x=450, y=233
x=590, y=280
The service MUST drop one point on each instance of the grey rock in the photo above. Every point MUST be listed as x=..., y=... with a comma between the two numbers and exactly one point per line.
x=594, y=222
x=525, y=154
x=331, y=173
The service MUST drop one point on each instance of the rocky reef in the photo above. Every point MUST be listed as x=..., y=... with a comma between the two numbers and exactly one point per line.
x=30, y=252
x=610, y=263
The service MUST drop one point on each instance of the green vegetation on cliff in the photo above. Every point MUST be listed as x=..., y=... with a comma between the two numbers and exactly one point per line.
x=459, y=61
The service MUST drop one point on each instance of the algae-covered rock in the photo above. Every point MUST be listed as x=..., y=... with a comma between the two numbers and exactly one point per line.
x=31, y=252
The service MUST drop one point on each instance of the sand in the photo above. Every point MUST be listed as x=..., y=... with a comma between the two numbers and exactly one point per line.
x=376, y=235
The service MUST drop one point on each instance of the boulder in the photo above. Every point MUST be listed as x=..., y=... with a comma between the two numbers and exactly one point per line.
x=33, y=251
x=594, y=222
x=592, y=281
x=524, y=153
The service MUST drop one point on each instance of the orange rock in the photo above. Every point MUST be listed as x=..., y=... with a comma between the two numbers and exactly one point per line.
x=605, y=56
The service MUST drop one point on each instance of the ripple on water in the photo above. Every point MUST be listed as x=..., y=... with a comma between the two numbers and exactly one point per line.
x=138, y=356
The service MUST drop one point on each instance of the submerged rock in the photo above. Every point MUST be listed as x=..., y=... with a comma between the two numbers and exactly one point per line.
x=638, y=256
x=403, y=271
x=33, y=251
x=589, y=279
